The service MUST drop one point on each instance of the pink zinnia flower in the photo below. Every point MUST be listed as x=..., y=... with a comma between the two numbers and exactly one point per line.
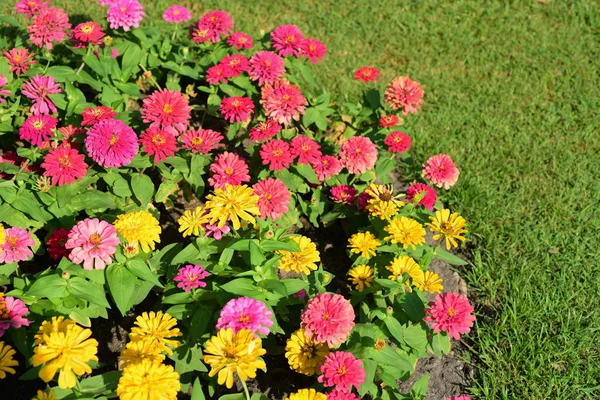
x=287, y=40
x=358, y=154
x=306, y=149
x=214, y=231
x=211, y=26
x=328, y=318
x=228, y=168
x=37, y=129
x=30, y=7
x=95, y=114
x=450, y=312
x=246, y=313
x=363, y=200
x=240, y=41
x=327, y=167
x=176, y=14
x=422, y=195
x=111, y=143
x=92, y=242
x=273, y=198
x=266, y=67
x=265, y=130
x=190, y=277
x=463, y=397
x=237, y=109
x=276, y=154
x=68, y=132
x=87, y=33
x=201, y=141
x=107, y=2
x=166, y=108
x=16, y=246
x=11, y=314
x=49, y=25
x=398, y=142
x=339, y=394
x=20, y=60
x=217, y=74
x=343, y=194
x=235, y=64
x=314, y=50
x=404, y=93
x=366, y=74
x=440, y=170
x=342, y=370
x=56, y=244
x=283, y=101
x=3, y=92
x=64, y=165
x=37, y=89
x=387, y=121
x=125, y=14
x=160, y=143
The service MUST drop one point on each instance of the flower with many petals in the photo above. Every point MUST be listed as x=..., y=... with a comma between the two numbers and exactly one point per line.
x=19, y=59
x=139, y=227
x=246, y=313
x=327, y=167
x=191, y=277
x=190, y=223
x=240, y=41
x=111, y=143
x=388, y=121
x=57, y=244
x=228, y=168
x=30, y=7
x=211, y=26
x=306, y=394
x=148, y=379
x=233, y=203
x=92, y=115
x=405, y=265
x=237, y=109
x=137, y=351
x=273, y=198
x=421, y=195
x=159, y=142
x=450, y=312
x=16, y=246
x=303, y=261
x=235, y=64
x=342, y=370
x=328, y=318
x=166, y=108
x=441, y=171
x=404, y=93
x=125, y=14
x=176, y=14
x=381, y=202
x=48, y=25
x=342, y=194
x=363, y=243
x=37, y=89
x=397, y=142
x=406, y=231
x=276, y=154
x=265, y=130
x=358, y=154
x=431, y=283
x=7, y=362
x=45, y=395
x=201, y=141
x=266, y=67
x=64, y=165
x=306, y=149
x=158, y=328
x=304, y=355
x=37, y=129
x=313, y=49
x=339, y=394
x=87, y=33
x=283, y=101
x=287, y=40
x=92, y=242
x=448, y=226
x=12, y=313
x=366, y=74
x=362, y=275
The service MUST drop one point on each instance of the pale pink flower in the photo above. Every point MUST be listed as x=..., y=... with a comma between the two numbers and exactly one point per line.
x=273, y=198
x=49, y=25
x=12, y=313
x=30, y=7
x=228, y=168
x=328, y=318
x=16, y=246
x=176, y=14
x=404, y=93
x=201, y=141
x=265, y=130
x=441, y=171
x=358, y=154
x=327, y=167
x=20, y=60
x=93, y=243
x=283, y=101
x=125, y=14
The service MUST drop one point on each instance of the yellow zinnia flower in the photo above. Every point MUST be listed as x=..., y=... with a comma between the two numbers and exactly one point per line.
x=304, y=355
x=148, y=380
x=448, y=226
x=405, y=264
x=139, y=227
x=382, y=202
x=406, y=231
x=363, y=243
x=431, y=283
x=190, y=223
x=6, y=360
x=361, y=276
x=156, y=328
x=233, y=203
x=307, y=394
x=302, y=261
x=231, y=353
x=68, y=351
x=137, y=351
x=42, y=395
x=2, y=236
x=56, y=324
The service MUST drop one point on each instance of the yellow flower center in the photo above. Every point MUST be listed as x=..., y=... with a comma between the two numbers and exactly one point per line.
x=385, y=196
x=277, y=153
x=158, y=140
x=64, y=161
x=268, y=196
x=325, y=317
x=357, y=151
x=451, y=311
x=342, y=370
x=197, y=141
x=446, y=226
x=17, y=58
x=290, y=38
x=228, y=171
x=38, y=125
x=12, y=240
x=113, y=140
x=87, y=28
x=244, y=319
x=167, y=108
x=379, y=344
x=95, y=239
x=123, y=9
x=267, y=63
x=176, y=12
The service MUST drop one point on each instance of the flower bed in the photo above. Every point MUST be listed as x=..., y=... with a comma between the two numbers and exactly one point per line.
x=177, y=187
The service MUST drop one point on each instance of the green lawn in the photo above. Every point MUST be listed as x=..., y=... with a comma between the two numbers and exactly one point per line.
x=512, y=94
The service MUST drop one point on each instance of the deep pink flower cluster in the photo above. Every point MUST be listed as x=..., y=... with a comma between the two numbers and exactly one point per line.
x=12, y=313
x=87, y=33
x=191, y=277
x=422, y=195
x=327, y=167
x=265, y=130
x=266, y=67
x=37, y=129
x=111, y=143
x=452, y=313
x=388, y=121
x=237, y=109
x=19, y=59
x=64, y=165
x=366, y=74
x=328, y=318
x=16, y=246
x=398, y=142
x=159, y=142
x=273, y=198
x=343, y=194
x=48, y=25
x=166, y=108
x=441, y=171
x=201, y=141
x=358, y=154
x=287, y=40
x=37, y=89
x=240, y=41
x=276, y=154
x=306, y=149
x=246, y=313
x=176, y=14
x=125, y=14
x=283, y=102
x=93, y=243
x=94, y=114
x=342, y=370
x=211, y=26
x=228, y=168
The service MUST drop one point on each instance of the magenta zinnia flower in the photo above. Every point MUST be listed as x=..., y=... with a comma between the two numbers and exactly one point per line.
x=246, y=313
x=450, y=312
x=342, y=370
x=125, y=14
x=287, y=40
x=265, y=130
x=20, y=60
x=201, y=141
x=3, y=92
x=190, y=277
x=176, y=14
x=214, y=231
x=217, y=74
x=30, y=7
x=343, y=194
x=92, y=242
x=160, y=143
x=56, y=244
x=11, y=313
x=358, y=154
x=211, y=26
x=440, y=170
x=166, y=108
x=111, y=143
x=327, y=167
x=87, y=33
x=328, y=318
x=64, y=165
x=339, y=394
x=49, y=25
x=240, y=41
x=273, y=198
x=398, y=142
x=366, y=74
x=37, y=129
x=404, y=93
x=283, y=101
x=95, y=114
x=314, y=50
x=228, y=168
x=276, y=154
x=235, y=64
x=422, y=195
x=37, y=89
x=306, y=149
x=237, y=109
x=266, y=67
x=16, y=246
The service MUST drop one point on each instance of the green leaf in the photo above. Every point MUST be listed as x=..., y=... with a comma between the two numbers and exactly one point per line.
x=233, y=396
x=293, y=182
x=414, y=307
x=242, y=287
x=394, y=327
x=10, y=21
x=269, y=245
x=256, y=255
x=307, y=172
x=188, y=359
x=51, y=286
x=143, y=188
x=140, y=269
x=416, y=337
x=93, y=199
x=197, y=393
x=448, y=257
x=83, y=289
x=419, y=388
x=61, y=73
x=294, y=285
x=121, y=283
x=100, y=384
x=165, y=189
x=440, y=343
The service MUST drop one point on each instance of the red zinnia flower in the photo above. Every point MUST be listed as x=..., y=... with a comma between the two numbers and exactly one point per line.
x=266, y=67
x=358, y=154
x=95, y=114
x=201, y=140
x=327, y=167
x=166, y=108
x=276, y=154
x=283, y=101
x=287, y=40
x=160, y=143
x=19, y=59
x=64, y=165
x=366, y=74
x=404, y=93
x=56, y=244
x=217, y=74
x=450, y=312
x=211, y=26
x=49, y=25
x=314, y=50
x=240, y=41
x=306, y=149
x=421, y=194
x=343, y=194
x=228, y=168
x=387, y=121
x=87, y=33
x=237, y=109
x=265, y=130
x=398, y=142
x=273, y=198
x=37, y=129
x=236, y=64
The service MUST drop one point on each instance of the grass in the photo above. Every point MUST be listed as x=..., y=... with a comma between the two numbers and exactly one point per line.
x=512, y=95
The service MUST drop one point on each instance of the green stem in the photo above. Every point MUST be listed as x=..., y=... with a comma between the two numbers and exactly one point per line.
x=175, y=32
x=245, y=388
x=151, y=78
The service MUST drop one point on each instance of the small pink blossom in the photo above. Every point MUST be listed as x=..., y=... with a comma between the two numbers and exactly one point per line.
x=16, y=246
x=358, y=154
x=93, y=243
x=276, y=154
x=246, y=313
x=240, y=41
x=48, y=25
x=441, y=171
x=37, y=89
x=265, y=130
x=266, y=67
x=343, y=194
x=125, y=14
x=30, y=7
x=12, y=313
x=237, y=109
x=450, y=312
x=306, y=149
x=327, y=167
x=176, y=14
x=398, y=142
x=191, y=277
x=273, y=198
x=404, y=93
x=422, y=195
x=228, y=168
x=287, y=40
x=313, y=49
x=328, y=318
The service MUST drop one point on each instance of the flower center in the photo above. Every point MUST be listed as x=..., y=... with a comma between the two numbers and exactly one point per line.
x=326, y=317
x=267, y=63
x=268, y=196
x=357, y=151
x=87, y=29
x=95, y=239
x=342, y=370
x=38, y=125
x=123, y=9
x=167, y=108
x=197, y=141
x=379, y=344
x=277, y=153
x=244, y=319
x=228, y=171
x=451, y=311
x=385, y=196
x=113, y=140
x=64, y=161
x=397, y=139
x=158, y=140
x=17, y=58
x=176, y=12
x=235, y=103
x=446, y=226
x=12, y=240
x=290, y=38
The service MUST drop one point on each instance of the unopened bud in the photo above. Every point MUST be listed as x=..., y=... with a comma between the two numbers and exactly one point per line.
x=65, y=275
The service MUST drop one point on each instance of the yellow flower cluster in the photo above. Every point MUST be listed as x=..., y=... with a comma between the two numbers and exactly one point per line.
x=303, y=261
x=304, y=355
x=405, y=231
x=233, y=203
x=427, y=281
x=361, y=276
x=139, y=228
x=190, y=223
x=382, y=203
